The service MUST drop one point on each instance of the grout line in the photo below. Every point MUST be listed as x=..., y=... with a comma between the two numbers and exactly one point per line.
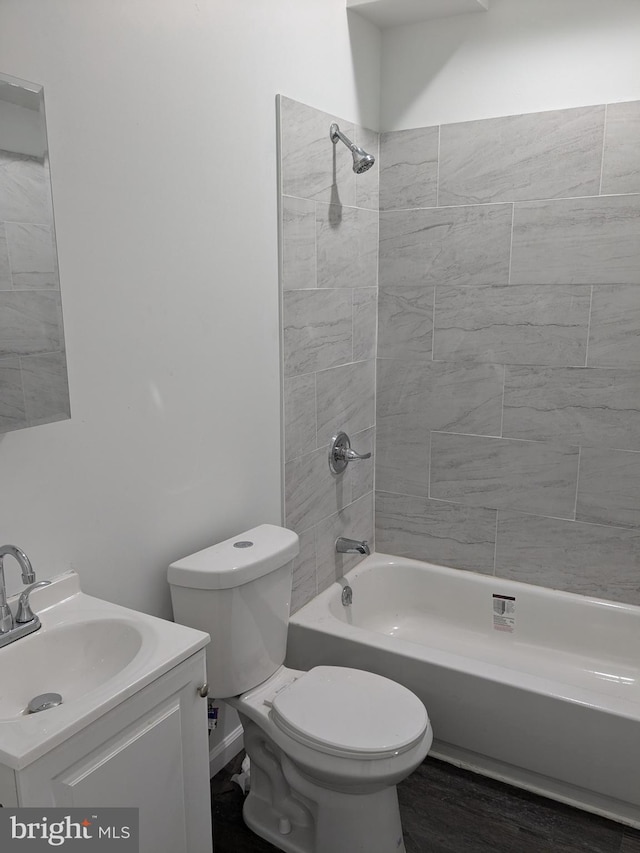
x=586, y=349
x=523, y=201
x=495, y=546
x=315, y=244
x=433, y=326
x=429, y=467
x=438, y=169
x=504, y=382
x=513, y=216
x=604, y=139
x=575, y=504
x=315, y=404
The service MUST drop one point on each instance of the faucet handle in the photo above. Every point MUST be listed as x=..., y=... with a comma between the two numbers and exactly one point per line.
x=341, y=453
x=24, y=613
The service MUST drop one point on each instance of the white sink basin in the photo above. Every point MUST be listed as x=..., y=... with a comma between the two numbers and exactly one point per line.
x=93, y=653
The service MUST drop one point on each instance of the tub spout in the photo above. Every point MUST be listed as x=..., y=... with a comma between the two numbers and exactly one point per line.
x=352, y=546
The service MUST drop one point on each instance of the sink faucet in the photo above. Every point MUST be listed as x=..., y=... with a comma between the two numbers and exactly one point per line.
x=25, y=622
x=352, y=546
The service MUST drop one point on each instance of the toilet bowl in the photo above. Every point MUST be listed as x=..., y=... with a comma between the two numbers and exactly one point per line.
x=327, y=746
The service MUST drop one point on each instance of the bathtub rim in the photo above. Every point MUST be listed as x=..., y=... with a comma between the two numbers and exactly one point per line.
x=316, y=615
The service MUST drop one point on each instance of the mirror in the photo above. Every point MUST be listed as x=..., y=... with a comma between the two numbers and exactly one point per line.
x=33, y=367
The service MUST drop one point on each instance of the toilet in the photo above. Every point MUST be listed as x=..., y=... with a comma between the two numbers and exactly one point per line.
x=327, y=746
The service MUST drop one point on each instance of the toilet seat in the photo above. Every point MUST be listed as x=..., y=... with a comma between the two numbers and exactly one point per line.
x=349, y=713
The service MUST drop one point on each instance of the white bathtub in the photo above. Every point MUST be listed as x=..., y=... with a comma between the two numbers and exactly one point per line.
x=546, y=697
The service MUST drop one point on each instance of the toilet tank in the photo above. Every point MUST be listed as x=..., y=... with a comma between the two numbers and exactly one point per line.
x=239, y=592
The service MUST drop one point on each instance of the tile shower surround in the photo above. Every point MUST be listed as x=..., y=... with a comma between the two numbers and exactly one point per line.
x=507, y=424
x=508, y=398
x=329, y=276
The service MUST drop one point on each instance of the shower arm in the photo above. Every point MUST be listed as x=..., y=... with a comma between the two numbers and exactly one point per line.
x=336, y=134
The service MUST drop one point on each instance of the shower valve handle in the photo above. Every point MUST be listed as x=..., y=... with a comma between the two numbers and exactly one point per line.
x=351, y=455
x=340, y=453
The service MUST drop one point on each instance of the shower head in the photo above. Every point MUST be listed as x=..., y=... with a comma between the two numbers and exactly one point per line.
x=361, y=160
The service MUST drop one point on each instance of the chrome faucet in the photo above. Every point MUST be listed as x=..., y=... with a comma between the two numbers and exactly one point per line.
x=352, y=546
x=26, y=622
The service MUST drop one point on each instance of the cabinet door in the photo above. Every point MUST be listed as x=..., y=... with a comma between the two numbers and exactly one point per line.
x=8, y=792
x=157, y=762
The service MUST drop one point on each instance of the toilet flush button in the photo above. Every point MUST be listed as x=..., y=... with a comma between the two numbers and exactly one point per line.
x=243, y=544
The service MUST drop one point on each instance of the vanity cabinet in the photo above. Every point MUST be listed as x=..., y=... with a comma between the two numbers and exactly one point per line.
x=149, y=752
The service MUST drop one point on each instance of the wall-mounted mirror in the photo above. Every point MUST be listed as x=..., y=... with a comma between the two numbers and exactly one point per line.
x=33, y=367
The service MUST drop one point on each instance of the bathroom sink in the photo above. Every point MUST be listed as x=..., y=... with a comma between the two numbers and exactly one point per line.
x=71, y=660
x=92, y=653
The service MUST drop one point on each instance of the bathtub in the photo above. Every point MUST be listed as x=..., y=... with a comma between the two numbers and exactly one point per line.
x=532, y=686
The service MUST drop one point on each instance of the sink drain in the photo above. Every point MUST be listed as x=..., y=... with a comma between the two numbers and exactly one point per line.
x=43, y=702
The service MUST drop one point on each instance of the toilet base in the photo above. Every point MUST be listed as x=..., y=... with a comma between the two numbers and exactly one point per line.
x=298, y=815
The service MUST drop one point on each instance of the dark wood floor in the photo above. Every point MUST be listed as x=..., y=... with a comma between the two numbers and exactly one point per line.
x=448, y=810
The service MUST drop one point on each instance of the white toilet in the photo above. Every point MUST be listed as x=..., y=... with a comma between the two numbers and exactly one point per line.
x=328, y=746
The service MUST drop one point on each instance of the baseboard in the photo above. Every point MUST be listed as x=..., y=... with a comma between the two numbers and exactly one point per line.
x=228, y=747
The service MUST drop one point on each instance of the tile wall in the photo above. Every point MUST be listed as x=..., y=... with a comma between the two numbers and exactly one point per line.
x=329, y=271
x=33, y=372
x=508, y=397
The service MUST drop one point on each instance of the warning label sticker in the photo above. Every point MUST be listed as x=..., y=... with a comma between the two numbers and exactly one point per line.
x=504, y=613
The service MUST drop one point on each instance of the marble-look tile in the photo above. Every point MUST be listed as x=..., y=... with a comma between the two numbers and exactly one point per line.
x=368, y=183
x=502, y=474
x=25, y=191
x=365, y=322
x=46, y=388
x=298, y=243
x=554, y=154
x=30, y=323
x=355, y=522
x=299, y=415
x=345, y=399
x=311, y=165
x=362, y=470
x=311, y=491
x=609, y=487
x=405, y=322
x=531, y=324
x=304, y=586
x=621, y=163
x=585, y=406
x=456, y=245
x=459, y=536
x=12, y=408
x=409, y=168
x=464, y=398
x=415, y=397
x=589, y=559
x=5, y=267
x=347, y=246
x=402, y=453
x=318, y=330
x=577, y=241
x=614, y=332
x=32, y=255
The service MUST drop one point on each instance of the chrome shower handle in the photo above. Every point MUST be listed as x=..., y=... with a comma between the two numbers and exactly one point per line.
x=351, y=455
x=340, y=453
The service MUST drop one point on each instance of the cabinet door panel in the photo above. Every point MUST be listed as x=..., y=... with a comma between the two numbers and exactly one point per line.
x=143, y=765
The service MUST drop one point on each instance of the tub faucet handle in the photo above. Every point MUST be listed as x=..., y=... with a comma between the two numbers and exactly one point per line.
x=341, y=453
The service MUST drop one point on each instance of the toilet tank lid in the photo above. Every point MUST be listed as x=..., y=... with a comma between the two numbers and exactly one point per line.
x=236, y=561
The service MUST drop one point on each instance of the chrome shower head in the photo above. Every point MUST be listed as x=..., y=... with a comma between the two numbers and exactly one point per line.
x=361, y=160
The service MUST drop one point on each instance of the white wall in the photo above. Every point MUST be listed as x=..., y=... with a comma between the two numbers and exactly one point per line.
x=520, y=56
x=162, y=137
